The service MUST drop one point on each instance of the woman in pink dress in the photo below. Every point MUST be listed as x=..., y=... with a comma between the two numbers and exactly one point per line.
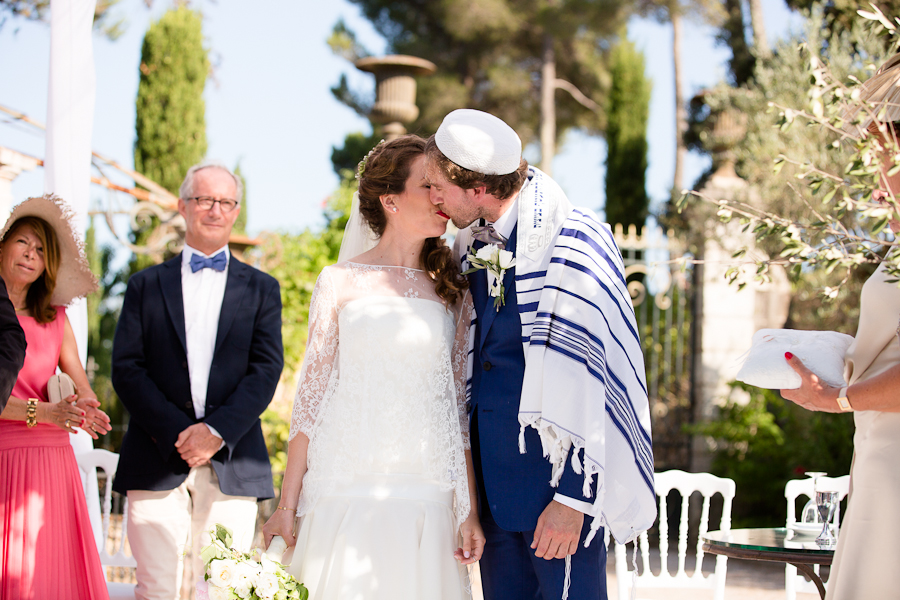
x=47, y=547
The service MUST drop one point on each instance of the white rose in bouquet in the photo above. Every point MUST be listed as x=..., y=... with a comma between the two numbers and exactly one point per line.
x=219, y=593
x=221, y=572
x=267, y=586
x=245, y=579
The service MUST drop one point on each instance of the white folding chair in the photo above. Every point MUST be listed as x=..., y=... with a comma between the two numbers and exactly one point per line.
x=88, y=462
x=686, y=484
x=795, y=488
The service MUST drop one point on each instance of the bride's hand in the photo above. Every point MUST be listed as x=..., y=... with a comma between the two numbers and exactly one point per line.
x=472, y=540
x=280, y=523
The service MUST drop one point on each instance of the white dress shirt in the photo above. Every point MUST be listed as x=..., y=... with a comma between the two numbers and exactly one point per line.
x=202, y=293
x=504, y=226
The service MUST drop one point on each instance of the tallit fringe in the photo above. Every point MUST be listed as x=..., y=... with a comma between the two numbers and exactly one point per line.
x=556, y=446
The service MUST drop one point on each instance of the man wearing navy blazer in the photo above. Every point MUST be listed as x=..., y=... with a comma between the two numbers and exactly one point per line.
x=196, y=359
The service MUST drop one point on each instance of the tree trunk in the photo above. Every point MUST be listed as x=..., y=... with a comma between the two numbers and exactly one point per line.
x=760, y=41
x=548, y=105
x=680, y=110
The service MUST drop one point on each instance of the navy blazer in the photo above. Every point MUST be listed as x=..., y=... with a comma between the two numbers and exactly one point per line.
x=515, y=486
x=150, y=375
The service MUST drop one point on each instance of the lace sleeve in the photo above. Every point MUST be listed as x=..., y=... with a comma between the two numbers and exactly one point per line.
x=462, y=366
x=320, y=362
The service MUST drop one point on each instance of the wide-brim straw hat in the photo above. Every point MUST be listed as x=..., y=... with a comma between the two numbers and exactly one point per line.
x=74, y=278
x=881, y=96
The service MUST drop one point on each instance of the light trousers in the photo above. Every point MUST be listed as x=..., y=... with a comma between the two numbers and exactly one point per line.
x=162, y=524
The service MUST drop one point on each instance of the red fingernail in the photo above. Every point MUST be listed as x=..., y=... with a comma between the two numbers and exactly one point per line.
x=788, y=355
x=83, y=421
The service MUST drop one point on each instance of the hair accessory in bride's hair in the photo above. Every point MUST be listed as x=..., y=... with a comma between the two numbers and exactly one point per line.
x=361, y=167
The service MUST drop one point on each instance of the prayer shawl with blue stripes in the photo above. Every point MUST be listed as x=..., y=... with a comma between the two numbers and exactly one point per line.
x=584, y=380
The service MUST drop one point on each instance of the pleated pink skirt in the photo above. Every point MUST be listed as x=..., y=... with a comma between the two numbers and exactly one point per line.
x=47, y=547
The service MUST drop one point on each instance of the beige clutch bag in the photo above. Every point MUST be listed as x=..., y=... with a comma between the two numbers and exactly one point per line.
x=59, y=387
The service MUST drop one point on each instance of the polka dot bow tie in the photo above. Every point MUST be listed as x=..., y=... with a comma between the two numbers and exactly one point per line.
x=487, y=234
x=216, y=263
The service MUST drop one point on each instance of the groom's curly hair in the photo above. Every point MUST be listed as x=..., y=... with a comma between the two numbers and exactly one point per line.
x=386, y=170
x=499, y=186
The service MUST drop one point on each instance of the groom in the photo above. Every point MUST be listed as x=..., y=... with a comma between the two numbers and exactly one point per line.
x=559, y=415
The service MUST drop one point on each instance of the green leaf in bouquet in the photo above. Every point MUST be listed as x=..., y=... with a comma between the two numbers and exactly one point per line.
x=209, y=554
x=224, y=535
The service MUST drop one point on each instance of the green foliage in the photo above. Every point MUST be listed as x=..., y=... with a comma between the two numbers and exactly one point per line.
x=171, y=114
x=356, y=145
x=103, y=314
x=240, y=225
x=488, y=54
x=38, y=10
x=813, y=181
x=733, y=34
x=841, y=15
x=626, y=137
x=763, y=443
x=296, y=261
x=170, y=122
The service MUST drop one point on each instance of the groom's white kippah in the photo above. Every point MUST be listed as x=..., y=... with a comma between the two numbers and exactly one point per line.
x=479, y=141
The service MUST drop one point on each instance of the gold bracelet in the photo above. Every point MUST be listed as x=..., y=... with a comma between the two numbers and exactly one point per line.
x=293, y=510
x=31, y=414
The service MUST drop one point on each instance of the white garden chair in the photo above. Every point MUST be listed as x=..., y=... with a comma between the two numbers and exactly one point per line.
x=686, y=484
x=793, y=582
x=88, y=462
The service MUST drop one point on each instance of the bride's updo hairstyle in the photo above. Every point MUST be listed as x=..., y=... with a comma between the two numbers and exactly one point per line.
x=385, y=171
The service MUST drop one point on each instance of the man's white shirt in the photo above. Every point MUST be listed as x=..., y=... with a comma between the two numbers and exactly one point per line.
x=202, y=293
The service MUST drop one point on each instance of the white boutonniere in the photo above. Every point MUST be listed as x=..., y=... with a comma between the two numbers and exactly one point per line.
x=496, y=261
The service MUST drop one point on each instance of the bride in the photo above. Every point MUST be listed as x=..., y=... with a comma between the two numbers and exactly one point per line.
x=379, y=466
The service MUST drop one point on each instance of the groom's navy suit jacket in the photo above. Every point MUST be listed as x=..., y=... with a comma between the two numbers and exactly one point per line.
x=515, y=486
x=150, y=375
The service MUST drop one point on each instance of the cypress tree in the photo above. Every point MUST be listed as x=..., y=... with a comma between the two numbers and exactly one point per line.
x=240, y=224
x=628, y=106
x=171, y=112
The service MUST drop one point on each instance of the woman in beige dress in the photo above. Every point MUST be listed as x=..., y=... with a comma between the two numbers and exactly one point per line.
x=867, y=560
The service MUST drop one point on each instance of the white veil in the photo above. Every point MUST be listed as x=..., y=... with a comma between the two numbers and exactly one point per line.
x=358, y=236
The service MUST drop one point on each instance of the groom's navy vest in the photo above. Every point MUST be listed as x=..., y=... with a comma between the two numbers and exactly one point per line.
x=515, y=486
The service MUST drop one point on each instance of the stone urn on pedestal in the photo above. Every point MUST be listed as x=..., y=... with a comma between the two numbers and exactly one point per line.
x=395, y=90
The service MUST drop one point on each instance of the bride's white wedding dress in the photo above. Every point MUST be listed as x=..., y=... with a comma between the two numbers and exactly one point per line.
x=382, y=400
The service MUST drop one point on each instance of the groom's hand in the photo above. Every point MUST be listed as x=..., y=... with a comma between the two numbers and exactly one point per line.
x=558, y=531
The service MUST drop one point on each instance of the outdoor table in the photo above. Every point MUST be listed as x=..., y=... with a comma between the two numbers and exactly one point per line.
x=775, y=544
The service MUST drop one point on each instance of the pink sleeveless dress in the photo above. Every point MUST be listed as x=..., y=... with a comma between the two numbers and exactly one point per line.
x=47, y=547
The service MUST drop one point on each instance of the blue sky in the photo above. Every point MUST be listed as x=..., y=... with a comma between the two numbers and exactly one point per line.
x=269, y=104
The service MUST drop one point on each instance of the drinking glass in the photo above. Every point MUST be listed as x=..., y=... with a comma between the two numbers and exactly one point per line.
x=826, y=503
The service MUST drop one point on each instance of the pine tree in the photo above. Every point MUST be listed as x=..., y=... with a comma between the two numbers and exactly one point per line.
x=171, y=112
x=494, y=55
x=627, y=110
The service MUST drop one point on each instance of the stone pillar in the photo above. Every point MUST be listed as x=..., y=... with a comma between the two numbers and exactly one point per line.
x=730, y=316
x=11, y=164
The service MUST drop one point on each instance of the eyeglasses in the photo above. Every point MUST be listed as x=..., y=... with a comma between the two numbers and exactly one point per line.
x=206, y=203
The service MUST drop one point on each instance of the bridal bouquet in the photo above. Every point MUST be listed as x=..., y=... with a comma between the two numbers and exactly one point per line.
x=496, y=261
x=233, y=575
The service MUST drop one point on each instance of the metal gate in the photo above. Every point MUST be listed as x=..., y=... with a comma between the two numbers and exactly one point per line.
x=659, y=284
